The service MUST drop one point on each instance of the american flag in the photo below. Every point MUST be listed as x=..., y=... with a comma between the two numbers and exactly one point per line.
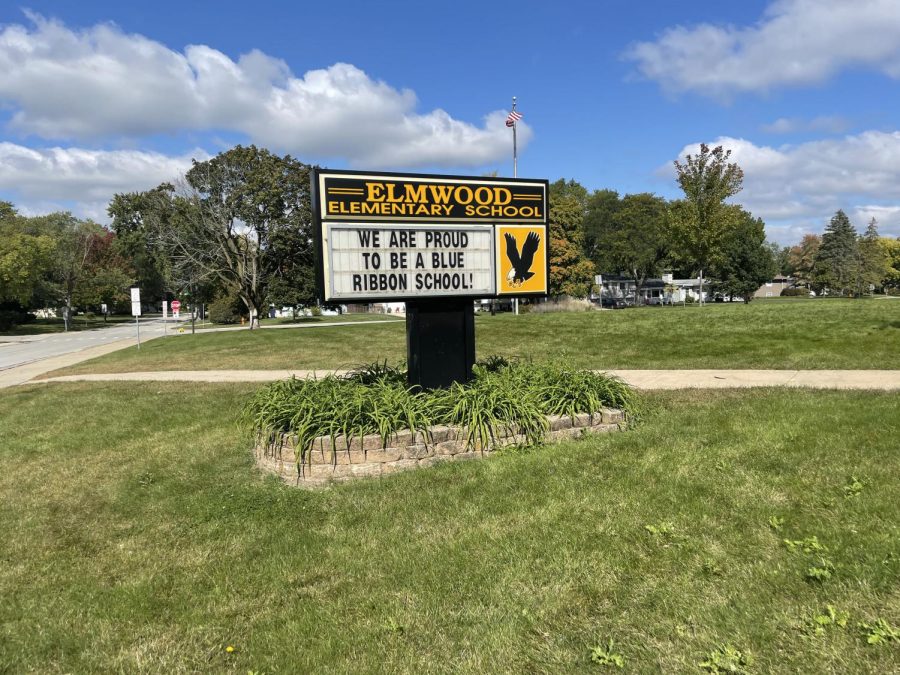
x=512, y=118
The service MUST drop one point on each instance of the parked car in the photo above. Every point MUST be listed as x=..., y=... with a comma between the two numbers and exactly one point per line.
x=612, y=303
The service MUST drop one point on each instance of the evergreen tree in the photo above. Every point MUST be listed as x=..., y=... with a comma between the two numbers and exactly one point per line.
x=837, y=260
x=872, y=264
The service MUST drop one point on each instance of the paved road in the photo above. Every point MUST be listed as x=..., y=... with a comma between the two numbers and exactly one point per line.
x=883, y=380
x=21, y=349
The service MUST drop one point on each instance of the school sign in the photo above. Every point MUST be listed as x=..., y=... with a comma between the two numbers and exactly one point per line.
x=386, y=236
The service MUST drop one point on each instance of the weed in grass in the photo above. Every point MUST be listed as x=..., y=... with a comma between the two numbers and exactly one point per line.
x=821, y=571
x=727, y=659
x=394, y=626
x=776, y=523
x=880, y=632
x=823, y=621
x=663, y=530
x=853, y=487
x=606, y=655
x=711, y=568
x=807, y=545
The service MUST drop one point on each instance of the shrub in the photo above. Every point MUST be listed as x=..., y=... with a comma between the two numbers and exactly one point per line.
x=375, y=399
x=12, y=315
x=565, y=304
x=794, y=292
x=225, y=309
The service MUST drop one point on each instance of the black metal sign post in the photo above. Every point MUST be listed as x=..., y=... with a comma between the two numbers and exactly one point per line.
x=436, y=243
x=440, y=341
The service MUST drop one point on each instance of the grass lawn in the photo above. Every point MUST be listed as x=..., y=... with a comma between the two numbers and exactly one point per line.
x=81, y=322
x=804, y=334
x=300, y=320
x=136, y=535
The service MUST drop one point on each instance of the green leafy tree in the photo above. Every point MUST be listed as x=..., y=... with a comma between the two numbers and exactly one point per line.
x=782, y=257
x=746, y=261
x=837, y=261
x=129, y=211
x=570, y=272
x=569, y=188
x=700, y=223
x=25, y=258
x=601, y=208
x=242, y=218
x=635, y=238
x=891, y=249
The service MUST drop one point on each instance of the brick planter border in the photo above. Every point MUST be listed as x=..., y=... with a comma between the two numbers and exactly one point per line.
x=370, y=456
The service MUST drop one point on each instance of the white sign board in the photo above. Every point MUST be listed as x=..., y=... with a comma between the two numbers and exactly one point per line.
x=135, y=302
x=376, y=261
x=165, y=309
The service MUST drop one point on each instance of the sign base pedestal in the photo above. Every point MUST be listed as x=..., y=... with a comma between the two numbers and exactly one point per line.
x=440, y=341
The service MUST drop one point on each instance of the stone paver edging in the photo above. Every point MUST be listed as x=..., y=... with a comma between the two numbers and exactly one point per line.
x=340, y=459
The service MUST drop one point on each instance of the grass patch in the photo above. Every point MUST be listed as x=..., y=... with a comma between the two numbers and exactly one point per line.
x=305, y=320
x=376, y=399
x=136, y=535
x=78, y=323
x=802, y=333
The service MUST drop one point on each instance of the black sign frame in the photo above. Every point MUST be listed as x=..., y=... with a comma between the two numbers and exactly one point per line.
x=344, y=179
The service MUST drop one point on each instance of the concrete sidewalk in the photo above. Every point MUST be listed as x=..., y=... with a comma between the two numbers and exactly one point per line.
x=884, y=380
x=27, y=371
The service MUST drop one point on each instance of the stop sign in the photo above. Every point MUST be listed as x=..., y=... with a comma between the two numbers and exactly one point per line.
x=176, y=305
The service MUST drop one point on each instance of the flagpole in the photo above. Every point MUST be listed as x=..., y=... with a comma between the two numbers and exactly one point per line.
x=515, y=154
x=515, y=175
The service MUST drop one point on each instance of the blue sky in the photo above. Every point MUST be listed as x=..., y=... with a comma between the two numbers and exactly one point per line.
x=100, y=97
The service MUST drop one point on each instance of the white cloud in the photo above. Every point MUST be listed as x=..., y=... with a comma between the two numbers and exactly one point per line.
x=101, y=83
x=797, y=42
x=887, y=217
x=83, y=180
x=830, y=124
x=799, y=187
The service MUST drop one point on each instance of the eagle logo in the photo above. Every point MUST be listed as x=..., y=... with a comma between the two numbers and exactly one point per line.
x=521, y=263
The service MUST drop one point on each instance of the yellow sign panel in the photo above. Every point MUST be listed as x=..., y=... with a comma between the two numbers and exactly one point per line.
x=521, y=259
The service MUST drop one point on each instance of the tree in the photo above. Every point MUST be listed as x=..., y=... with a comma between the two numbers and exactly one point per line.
x=598, y=219
x=746, y=262
x=802, y=258
x=153, y=273
x=700, y=222
x=85, y=267
x=634, y=239
x=837, y=263
x=570, y=272
x=872, y=266
x=782, y=257
x=242, y=218
x=891, y=249
x=569, y=188
x=24, y=257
